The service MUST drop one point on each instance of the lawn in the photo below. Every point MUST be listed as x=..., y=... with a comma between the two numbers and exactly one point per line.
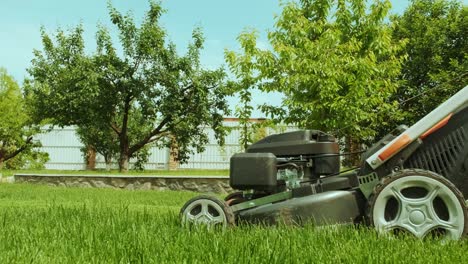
x=41, y=224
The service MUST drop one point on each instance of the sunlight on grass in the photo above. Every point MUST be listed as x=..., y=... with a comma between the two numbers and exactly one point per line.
x=41, y=224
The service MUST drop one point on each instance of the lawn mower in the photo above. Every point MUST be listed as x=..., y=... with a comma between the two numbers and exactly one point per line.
x=413, y=180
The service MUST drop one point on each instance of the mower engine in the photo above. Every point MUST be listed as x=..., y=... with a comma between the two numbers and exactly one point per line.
x=285, y=161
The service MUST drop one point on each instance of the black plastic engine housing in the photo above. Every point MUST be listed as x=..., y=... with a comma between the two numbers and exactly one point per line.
x=314, y=145
x=311, y=153
x=253, y=171
x=303, y=142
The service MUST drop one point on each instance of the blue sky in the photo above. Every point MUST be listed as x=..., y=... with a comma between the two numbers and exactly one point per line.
x=221, y=20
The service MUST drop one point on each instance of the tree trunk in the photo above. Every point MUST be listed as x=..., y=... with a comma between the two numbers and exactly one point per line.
x=123, y=162
x=1, y=163
x=90, y=158
x=108, y=161
x=124, y=141
x=124, y=149
x=124, y=153
x=245, y=138
x=352, y=145
x=173, y=155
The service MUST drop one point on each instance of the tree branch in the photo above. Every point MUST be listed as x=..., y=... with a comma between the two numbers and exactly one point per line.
x=115, y=128
x=136, y=65
x=150, y=136
x=22, y=148
x=187, y=88
x=157, y=133
x=160, y=135
x=125, y=115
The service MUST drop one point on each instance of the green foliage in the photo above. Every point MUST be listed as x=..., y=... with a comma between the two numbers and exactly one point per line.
x=43, y=224
x=246, y=80
x=437, y=49
x=100, y=138
x=264, y=128
x=17, y=146
x=142, y=157
x=244, y=67
x=146, y=93
x=30, y=158
x=334, y=61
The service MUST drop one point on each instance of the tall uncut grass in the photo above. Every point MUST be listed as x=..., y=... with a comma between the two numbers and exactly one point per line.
x=40, y=224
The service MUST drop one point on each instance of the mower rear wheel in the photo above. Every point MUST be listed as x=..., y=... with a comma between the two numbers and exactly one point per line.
x=207, y=210
x=418, y=202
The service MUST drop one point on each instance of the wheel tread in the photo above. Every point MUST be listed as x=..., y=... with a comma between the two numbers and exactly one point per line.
x=230, y=218
x=384, y=181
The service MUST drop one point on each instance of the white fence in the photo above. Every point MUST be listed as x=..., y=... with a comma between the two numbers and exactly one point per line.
x=64, y=148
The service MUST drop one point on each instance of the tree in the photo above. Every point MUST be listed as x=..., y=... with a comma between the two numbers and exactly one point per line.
x=17, y=144
x=146, y=93
x=334, y=61
x=246, y=78
x=437, y=49
x=100, y=139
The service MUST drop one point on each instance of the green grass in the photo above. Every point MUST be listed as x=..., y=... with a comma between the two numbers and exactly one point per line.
x=181, y=172
x=40, y=224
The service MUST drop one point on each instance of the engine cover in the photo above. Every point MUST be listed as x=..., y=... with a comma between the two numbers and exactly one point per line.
x=253, y=171
x=317, y=146
x=303, y=142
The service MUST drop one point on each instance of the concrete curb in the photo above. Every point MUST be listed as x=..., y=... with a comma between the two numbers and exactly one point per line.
x=203, y=184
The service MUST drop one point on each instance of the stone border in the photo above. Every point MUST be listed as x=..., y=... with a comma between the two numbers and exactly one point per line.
x=203, y=184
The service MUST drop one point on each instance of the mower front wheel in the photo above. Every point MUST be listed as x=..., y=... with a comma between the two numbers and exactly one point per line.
x=207, y=210
x=418, y=202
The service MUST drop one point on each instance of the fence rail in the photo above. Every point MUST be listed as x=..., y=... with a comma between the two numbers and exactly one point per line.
x=64, y=148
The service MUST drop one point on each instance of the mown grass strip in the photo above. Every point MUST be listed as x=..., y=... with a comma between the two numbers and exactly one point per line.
x=61, y=225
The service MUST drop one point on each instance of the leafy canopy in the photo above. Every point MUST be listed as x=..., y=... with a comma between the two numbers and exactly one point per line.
x=334, y=61
x=17, y=146
x=437, y=50
x=145, y=92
